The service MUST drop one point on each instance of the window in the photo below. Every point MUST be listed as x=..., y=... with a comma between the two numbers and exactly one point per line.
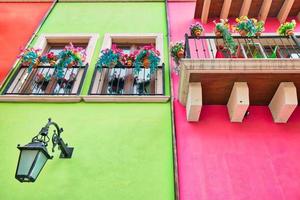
x=41, y=80
x=122, y=80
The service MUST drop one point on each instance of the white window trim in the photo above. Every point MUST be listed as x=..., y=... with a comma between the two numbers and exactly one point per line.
x=135, y=37
x=90, y=39
x=109, y=39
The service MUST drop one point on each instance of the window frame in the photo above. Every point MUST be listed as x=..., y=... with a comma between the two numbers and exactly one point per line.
x=42, y=43
x=109, y=39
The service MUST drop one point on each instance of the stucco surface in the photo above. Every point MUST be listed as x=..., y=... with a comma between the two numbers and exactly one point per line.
x=122, y=150
x=219, y=160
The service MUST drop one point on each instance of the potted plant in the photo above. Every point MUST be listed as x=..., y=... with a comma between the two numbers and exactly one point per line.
x=223, y=28
x=177, y=51
x=287, y=28
x=30, y=57
x=128, y=59
x=109, y=58
x=260, y=27
x=196, y=29
x=69, y=57
x=246, y=26
x=224, y=23
x=148, y=57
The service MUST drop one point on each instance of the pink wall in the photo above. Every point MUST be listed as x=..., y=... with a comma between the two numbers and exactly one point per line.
x=217, y=159
x=17, y=24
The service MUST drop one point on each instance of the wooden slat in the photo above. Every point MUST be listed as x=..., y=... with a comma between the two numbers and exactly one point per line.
x=295, y=9
x=104, y=81
x=254, y=8
x=245, y=7
x=129, y=79
x=235, y=8
x=96, y=82
x=264, y=10
x=77, y=81
x=159, y=82
x=17, y=81
x=198, y=10
x=205, y=11
x=225, y=9
x=285, y=10
x=26, y=87
x=298, y=16
x=215, y=9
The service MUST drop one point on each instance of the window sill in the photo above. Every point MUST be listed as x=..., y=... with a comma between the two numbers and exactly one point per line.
x=39, y=98
x=126, y=98
x=89, y=98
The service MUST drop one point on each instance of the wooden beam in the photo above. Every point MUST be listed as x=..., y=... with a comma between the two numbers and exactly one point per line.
x=285, y=10
x=194, y=102
x=245, y=7
x=225, y=9
x=205, y=11
x=284, y=102
x=238, y=102
x=264, y=10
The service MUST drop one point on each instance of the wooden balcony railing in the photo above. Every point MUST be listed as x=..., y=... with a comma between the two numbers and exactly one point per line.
x=264, y=47
x=42, y=81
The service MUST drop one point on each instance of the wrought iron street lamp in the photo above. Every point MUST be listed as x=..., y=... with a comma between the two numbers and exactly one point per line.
x=34, y=155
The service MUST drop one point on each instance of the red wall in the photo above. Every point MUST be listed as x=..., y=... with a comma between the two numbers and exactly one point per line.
x=219, y=160
x=17, y=24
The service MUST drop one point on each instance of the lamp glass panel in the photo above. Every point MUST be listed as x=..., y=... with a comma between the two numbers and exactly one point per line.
x=40, y=162
x=26, y=160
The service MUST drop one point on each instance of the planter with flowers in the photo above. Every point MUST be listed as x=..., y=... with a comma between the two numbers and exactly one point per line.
x=245, y=26
x=224, y=23
x=260, y=27
x=177, y=51
x=128, y=59
x=71, y=56
x=196, y=29
x=229, y=43
x=287, y=29
x=30, y=58
x=109, y=58
x=148, y=57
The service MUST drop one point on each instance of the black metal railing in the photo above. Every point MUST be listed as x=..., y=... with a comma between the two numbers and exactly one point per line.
x=42, y=80
x=121, y=80
x=210, y=47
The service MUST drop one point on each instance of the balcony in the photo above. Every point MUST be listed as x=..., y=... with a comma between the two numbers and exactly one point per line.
x=121, y=80
x=43, y=82
x=210, y=75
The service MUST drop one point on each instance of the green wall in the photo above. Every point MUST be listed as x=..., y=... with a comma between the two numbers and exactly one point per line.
x=122, y=150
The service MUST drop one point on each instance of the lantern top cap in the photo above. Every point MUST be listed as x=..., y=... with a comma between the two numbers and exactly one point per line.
x=36, y=146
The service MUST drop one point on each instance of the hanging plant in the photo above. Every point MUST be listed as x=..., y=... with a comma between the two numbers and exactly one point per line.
x=223, y=28
x=196, y=29
x=30, y=57
x=148, y=57
x=109, y=58
x=50, y=58
x=69, y=57
x=177, y=51
x=287, y=28
x=128, y=60
x=226, y=25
